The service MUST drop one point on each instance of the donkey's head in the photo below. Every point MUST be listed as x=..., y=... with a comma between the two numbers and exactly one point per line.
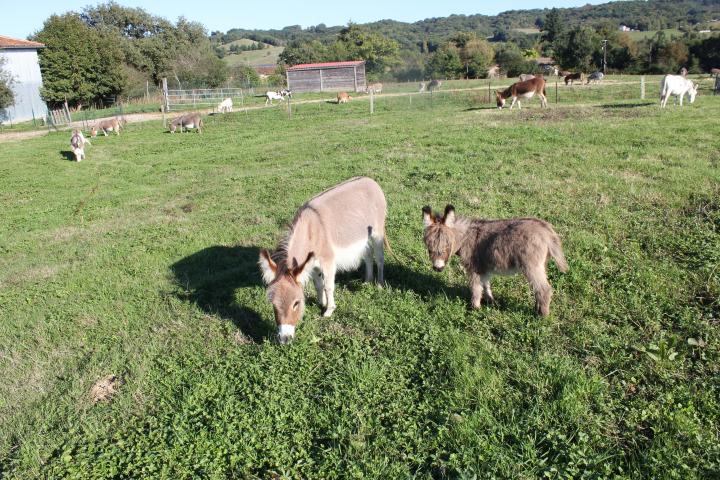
x=93, y=131
x=499, y=99
x=285, y=291
x=693, y=91
x=439, y=236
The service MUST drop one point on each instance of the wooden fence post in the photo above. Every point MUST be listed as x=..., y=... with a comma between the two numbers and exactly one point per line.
x=556, y=91
x=372, y=101
x=642, y=87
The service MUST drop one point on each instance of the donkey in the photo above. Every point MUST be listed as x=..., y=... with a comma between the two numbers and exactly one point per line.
x=332, y=232
x=526, y=89
x=488, y=247
x=679, y=86
x=571, y=77
x=374, y=87
x=191, y=120
x=343, y=97
x=110, y=125
x=595, y=77
x=225, y=106
x=434, y=85
x=78, y=142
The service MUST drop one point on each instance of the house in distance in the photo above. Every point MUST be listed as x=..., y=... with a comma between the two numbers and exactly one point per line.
x=21, y=62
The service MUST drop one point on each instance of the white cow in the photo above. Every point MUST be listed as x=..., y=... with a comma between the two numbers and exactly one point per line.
x=676, y=85
x=225, y=106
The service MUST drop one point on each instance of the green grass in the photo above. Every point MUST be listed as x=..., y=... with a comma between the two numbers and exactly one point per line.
x=643, y=35
x=141, y=262
x=267, y=56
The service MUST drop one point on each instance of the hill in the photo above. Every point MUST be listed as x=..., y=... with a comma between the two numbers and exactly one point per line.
x=637, y=14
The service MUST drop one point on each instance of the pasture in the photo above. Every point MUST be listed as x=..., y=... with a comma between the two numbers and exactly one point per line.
x=140, y=262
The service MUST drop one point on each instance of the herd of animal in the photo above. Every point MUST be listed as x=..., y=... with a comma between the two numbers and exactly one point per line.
x=527, y=87
x=344, y=226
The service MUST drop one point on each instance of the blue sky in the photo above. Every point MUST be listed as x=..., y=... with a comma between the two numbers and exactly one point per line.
x=20, y=20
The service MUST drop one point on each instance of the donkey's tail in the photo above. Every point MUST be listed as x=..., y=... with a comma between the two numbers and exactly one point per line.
x=557, y=254
x=386, y=245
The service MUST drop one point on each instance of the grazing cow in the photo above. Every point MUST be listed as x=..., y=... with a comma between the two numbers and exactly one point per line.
x=225, y=106
x=434, y=85
x=374, y=87
x=186, y=122
x=270, y=96
x=526, y=76
x=78, y=142
x=343, y=97
x=501, y=247
x=111, y=125
x=526, y=89
x=595, y=77
x=676, y=85
x=332, y=232
x=570, y=78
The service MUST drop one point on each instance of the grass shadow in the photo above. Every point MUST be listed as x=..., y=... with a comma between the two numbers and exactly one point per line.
x=626, y=105
x=473, y=109
x=210, y=277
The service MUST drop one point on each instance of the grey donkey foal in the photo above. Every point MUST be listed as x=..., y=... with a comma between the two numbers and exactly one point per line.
x=500, y=247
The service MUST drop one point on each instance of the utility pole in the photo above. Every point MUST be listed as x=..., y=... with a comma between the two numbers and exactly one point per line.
x=604, y=43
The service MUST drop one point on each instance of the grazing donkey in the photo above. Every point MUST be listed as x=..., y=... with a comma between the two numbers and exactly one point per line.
x=488, y=247
x=343, y=97
x=571, y=77
x=526, y=89
x=225, y=106
x=191, y=120
x=332, y=232
x=434, y=85
x=679, y=86
x=78, y=142
x=595, y=77
x=111, y=125
x=374, y=87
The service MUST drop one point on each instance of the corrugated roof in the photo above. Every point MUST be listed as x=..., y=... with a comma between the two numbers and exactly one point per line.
x=7, y=42
x=306, y=66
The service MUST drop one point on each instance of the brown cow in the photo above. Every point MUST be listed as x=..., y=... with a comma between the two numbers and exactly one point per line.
x=500, y=247
x=526, y=89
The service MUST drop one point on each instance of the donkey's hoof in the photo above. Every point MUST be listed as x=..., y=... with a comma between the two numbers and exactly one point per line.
x=329, y=311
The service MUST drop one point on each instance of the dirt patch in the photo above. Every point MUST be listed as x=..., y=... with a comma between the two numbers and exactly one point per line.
x=105, y=388
x=239, y=338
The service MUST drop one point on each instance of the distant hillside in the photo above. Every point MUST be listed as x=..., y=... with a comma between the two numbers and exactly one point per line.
x=637, y=14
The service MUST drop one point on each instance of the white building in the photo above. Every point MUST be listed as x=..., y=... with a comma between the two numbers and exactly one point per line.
x=22, y=64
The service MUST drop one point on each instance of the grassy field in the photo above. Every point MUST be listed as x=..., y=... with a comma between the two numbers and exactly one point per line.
x=140, y=262
x=267, y=56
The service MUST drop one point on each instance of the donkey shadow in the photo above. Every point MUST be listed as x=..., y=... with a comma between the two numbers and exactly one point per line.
x=209, y=278
x=68, y=155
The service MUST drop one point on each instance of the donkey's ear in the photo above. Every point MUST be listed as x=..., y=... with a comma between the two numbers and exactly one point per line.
x=268, y=268
x=300, y=272
x=449, y=216
x=427, y=216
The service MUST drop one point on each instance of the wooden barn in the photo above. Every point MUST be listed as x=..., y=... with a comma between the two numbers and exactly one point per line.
x=327, y=77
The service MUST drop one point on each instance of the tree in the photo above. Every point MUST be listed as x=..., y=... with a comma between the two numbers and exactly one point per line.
x=574, y=49
x=357, y=43
x=553, y=27
x=478, y=56
x=445, y=63
x=512, y=61
x=78, y=64
x=7, y=96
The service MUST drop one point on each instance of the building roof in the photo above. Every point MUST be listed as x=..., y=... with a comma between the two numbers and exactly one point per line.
x=7, y=42
x=312, y=66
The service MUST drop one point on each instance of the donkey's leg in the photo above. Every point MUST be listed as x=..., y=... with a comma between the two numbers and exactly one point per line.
x=368, y=261
x=329, y=280
x=317, y=277
x=537, y=278
x=514, y=99
x=379, y=250
x=476, y=289
x=487, y=293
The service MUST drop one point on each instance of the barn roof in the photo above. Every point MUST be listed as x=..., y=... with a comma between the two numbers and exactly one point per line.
x=8, y=42
x=312, y=66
